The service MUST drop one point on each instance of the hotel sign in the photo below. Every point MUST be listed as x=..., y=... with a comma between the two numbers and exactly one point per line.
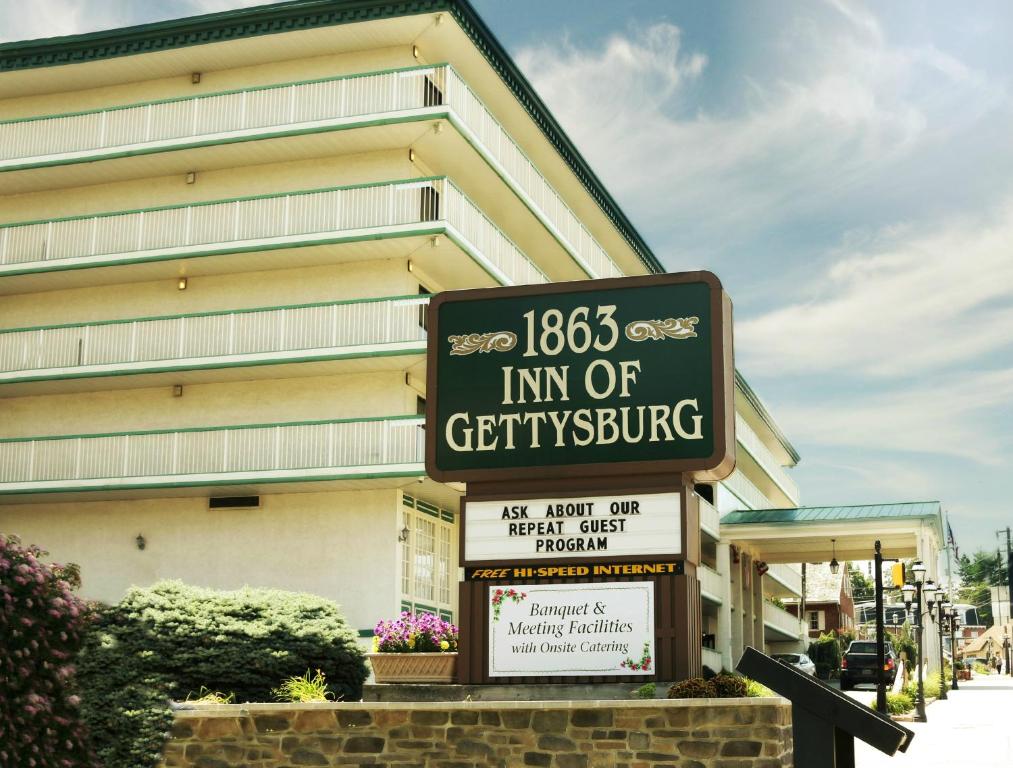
x=575, y=527
x=548, y=630
x=629, y=376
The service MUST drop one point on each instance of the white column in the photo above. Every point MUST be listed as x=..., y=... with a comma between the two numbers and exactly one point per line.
x=723, y=639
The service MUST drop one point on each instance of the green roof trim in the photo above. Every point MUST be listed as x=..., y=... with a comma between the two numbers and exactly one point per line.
x=309, y=14
x=899, y=511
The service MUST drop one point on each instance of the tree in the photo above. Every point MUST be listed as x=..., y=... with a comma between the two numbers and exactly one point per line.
x=862, y=587
x=982, y=568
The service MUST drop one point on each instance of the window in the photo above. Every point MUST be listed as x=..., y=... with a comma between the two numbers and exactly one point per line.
x=428, y=563
x=814, y=620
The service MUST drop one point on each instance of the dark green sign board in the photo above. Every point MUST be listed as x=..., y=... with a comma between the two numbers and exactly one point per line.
x=581, y=379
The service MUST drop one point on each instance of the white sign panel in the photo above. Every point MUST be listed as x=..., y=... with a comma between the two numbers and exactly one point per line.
x=539, y=630
x=579, y=527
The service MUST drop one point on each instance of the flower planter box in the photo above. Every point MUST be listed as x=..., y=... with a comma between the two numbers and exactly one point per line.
x=413, y=667
x=963, y=674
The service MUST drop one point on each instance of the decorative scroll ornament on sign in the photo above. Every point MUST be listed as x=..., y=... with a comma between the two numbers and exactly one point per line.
x=494, y=341
x=656, y=330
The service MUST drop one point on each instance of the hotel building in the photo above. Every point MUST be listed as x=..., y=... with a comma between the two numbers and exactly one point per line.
x=218, y=236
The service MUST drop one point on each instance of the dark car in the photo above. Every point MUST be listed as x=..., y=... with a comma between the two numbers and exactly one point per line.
x=860, y=662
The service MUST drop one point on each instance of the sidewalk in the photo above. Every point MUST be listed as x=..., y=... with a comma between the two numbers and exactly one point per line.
x=973, y=727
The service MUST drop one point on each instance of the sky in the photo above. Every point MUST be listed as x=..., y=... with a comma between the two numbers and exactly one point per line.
x=845, y=168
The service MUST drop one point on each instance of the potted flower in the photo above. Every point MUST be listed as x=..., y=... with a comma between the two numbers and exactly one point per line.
x=414, y=648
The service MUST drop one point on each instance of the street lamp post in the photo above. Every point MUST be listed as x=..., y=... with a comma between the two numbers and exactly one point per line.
x=1005, y=650
x=954, y=623
x=913, y=594
x=942, y=605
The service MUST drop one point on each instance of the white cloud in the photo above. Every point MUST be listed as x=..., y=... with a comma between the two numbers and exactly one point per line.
x=910, y=303
x=843, y=109
x=33, y=19
x=950, y=416
x=50, y=18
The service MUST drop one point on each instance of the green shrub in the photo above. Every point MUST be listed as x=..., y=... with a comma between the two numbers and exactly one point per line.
x=825, y=653
x=897, y=703
x=42, y=624
x=646, y=691
x=930, y=684
x=172, y=640
x=755, y=689
x=694, y=688
x=980, y=668
x=304, y=688
x=124, y=698
x=729, y=686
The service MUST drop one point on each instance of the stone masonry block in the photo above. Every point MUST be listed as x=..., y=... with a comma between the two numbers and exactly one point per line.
x=360, y=744
x=354, y=719
x=591, y=718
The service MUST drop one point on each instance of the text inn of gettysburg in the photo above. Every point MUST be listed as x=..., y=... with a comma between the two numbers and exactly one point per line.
x=218, y=239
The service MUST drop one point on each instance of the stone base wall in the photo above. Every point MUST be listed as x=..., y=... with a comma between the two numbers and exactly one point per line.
x=699, y=733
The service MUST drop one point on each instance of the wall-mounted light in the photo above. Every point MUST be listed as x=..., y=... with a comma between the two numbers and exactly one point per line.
x=141, y=543
x=411, y=155
x=415, y=51
x=181, y=284
x=411, y=267
x=834, y=565
x=191, y=177
x=177, y=390
x=402, y=535
x=435, y=242
x=195, y=78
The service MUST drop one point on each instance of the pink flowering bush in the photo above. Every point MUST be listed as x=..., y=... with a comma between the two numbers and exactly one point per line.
x=42, y=626
x=415, y=633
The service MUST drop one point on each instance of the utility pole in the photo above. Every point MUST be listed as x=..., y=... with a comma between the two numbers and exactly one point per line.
x=880, y=632
x=1009, y=577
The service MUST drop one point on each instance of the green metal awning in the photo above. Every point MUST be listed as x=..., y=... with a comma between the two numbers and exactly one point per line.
x=835, y=514
x=815, y=534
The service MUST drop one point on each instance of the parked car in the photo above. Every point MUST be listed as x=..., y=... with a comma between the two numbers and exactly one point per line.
x=800, y=661
x=860, y=662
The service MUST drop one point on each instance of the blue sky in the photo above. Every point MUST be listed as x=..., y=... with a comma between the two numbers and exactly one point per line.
x=845, y=168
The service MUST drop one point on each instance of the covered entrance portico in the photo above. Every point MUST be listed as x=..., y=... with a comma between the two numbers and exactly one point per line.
x=818, y=534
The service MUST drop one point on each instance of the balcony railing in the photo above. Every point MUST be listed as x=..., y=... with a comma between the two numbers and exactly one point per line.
x=310, y=217
x=749, y=440
x=710, y=521
x=344, y=328
x=713, y=586
x=743, y=489
x=316, y=450
x=298, y=107
x=780, y=620
x=711, y=658
x=787, y=577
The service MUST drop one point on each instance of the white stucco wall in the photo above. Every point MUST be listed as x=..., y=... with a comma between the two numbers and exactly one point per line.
x=342, y=546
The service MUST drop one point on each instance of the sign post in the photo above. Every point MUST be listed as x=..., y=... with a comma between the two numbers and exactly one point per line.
x=580, y=415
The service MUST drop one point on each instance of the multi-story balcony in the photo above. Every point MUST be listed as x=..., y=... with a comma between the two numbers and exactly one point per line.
x=247, y=456
x=753, y=445
x=781, y=626
x=368, y=333
x=306, y=228
x=287, y=121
